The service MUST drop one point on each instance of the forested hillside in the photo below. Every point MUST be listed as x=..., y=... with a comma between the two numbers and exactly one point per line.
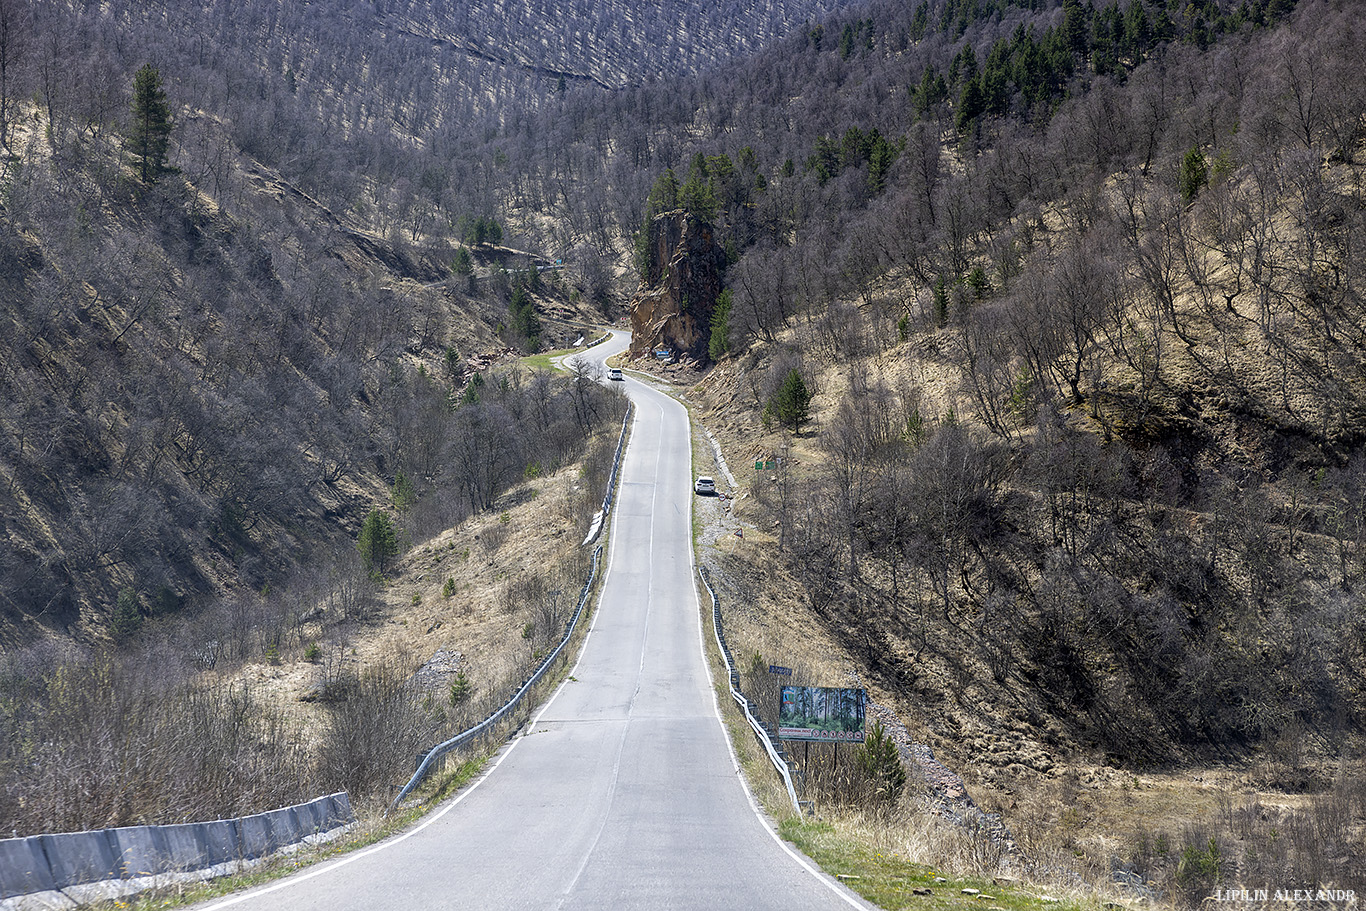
x=1075, y=296
x=213, y=368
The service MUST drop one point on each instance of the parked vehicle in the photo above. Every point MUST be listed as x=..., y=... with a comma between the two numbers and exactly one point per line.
x=705, y=486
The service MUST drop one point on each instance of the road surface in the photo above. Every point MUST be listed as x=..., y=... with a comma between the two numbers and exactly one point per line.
x=623, y=792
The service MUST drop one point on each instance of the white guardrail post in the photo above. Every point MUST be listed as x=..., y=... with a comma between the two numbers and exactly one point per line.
x=739, y=697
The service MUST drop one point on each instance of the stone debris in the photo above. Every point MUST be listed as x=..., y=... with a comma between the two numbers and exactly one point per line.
x=436, y=675
x=945, y=791
x=316, y=692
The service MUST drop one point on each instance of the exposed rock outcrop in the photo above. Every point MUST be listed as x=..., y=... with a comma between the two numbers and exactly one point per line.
x=673, y=307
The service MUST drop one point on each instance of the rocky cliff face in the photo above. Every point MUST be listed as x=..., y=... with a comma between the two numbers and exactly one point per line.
x=673, y=307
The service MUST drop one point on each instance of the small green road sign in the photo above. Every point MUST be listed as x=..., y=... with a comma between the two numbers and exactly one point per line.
x=762, y=465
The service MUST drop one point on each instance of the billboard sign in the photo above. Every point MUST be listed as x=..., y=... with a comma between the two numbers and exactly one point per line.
x=821, y=714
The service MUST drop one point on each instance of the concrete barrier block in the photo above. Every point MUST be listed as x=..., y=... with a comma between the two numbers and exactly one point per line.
x=306, y=815
x=257, y=838
x=23, y=868
x=221, y=839
x=100, y=865
x=141, y=850
x=284, y=827
x=80, y=857
x=184, y=847
x=320, y=815
x=342, y=814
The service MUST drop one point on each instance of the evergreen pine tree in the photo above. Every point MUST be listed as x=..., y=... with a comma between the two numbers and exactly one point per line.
x=404, y=494
x=127, y=618
x=719, y=343
x=880, y=763
x=463, y=264
x=377, y=542
x=1194, y=174
x=151, y=133
x=696, y=195
x=791, y=404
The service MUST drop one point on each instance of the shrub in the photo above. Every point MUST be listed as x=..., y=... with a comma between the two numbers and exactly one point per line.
x=461, y=689
x=373, y=734
x=880, y=763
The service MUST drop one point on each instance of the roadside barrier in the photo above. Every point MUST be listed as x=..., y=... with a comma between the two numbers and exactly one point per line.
x=439, y=751
x=611, y=494
x=600, y=517
x=778, y=762
x=66, y=869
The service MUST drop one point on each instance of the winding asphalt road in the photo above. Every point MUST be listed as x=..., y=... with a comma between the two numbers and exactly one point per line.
x=623, y=792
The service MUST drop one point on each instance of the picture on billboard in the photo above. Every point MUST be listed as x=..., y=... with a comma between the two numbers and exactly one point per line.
x=821, y=714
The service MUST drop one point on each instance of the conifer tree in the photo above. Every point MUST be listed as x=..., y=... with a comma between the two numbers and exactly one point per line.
x=1194, y=174
x=718, y=346
x=151, y=133
x=378, y=541
x=791, y=404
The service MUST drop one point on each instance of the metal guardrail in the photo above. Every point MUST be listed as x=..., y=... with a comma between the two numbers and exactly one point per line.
x=616, y=462
x=441, y=749
x=739, y=697
x=600, y=518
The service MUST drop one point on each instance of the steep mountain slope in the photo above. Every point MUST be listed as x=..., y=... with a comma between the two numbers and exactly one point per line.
x=378, y=105
x=1076, y=289
x=196, y=399
x=232, y=356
